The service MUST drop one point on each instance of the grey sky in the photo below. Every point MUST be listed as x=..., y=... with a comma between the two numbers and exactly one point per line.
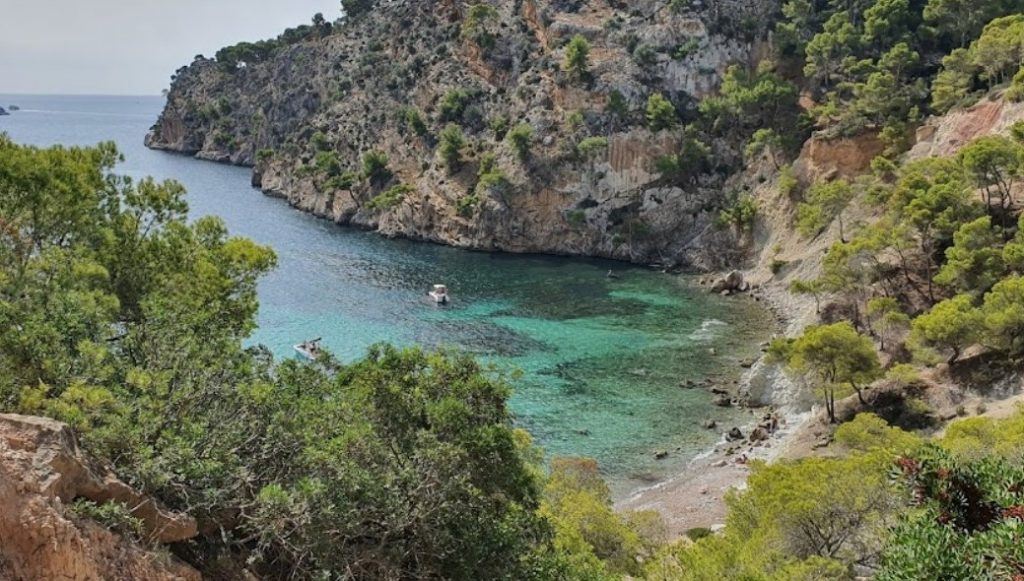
x=129, y=47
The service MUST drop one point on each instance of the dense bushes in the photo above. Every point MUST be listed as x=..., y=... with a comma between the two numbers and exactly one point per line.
x=242, y=54
x=943, y=254
x=993, y=59
x=124, y=319
x=871, y=62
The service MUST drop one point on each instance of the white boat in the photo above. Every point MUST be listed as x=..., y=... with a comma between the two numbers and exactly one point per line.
x=439, y=294
x=309, y=350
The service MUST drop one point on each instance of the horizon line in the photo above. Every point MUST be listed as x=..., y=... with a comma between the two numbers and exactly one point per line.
x=36, y=94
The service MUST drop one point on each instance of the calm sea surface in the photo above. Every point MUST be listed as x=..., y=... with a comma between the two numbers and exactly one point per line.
x=596, y=363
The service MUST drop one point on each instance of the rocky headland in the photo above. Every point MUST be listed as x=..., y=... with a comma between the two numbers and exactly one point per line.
x=585, y=179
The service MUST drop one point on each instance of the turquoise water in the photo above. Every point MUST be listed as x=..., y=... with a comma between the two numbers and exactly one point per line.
x=596, y=362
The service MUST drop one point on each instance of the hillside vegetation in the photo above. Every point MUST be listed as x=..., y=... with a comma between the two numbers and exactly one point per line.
x=653, y=131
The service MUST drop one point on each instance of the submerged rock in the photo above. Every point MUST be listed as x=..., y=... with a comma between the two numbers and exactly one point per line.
x=722, y=401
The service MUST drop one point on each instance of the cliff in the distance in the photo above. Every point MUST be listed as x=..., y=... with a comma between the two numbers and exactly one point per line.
x=306, y=114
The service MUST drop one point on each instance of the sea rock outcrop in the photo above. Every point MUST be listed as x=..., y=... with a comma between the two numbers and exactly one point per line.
x=42, y=470
x=391, y=80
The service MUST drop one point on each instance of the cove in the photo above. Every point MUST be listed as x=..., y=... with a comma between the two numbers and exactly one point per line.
x=596, y=362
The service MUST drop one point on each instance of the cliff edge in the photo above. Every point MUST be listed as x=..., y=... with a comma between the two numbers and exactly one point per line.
x=348, y=121
x=42, y=473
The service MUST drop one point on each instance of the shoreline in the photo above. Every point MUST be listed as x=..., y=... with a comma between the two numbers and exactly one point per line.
x=695, y=497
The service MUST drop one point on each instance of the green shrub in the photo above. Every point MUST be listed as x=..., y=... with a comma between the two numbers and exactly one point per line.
x=356, y=8
x=375, y=166
x=577, y=57
x=591, y=146
x=475, y=26
x=576, y=218
x=345, y=181
x=499, y=125
x=686, y=49
x=617, y=104
x=740, y=215
x=466, y=205
x=966, y=519
x=575, y=119
x=320, y=142
x=414, y=121
x=645, y=55
x=389, y=198
x=698, y=533
x=490, y=178
x=454, y=104
x=450, y=149
x=112, y=515
x=521, y=137
x=1016, y=91
x=661, y=113
x=327, y=162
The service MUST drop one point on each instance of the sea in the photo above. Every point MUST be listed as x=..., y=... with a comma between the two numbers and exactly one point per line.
x=598, y=364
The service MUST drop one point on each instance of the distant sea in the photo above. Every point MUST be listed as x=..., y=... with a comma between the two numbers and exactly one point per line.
x=596, y=362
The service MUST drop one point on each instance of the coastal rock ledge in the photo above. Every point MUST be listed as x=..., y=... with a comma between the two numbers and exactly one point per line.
x=42, y=471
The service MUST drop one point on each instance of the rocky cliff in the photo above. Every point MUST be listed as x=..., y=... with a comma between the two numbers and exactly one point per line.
x=305, y=114
x=42, y=473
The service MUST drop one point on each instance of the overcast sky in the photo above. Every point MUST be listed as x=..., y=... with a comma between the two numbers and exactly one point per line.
x=129, y=47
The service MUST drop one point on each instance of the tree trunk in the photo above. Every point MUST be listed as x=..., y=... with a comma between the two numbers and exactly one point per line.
x=860, y=394
x=954, y=357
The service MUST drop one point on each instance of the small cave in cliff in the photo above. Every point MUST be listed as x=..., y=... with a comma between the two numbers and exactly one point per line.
x=619, y=216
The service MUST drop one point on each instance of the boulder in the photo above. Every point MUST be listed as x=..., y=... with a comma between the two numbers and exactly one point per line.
x=660, y=455
x=42, y=470
x=722, y=401
x=710, y=424
x=734, y=435
x=732, y=282
x=759, y=434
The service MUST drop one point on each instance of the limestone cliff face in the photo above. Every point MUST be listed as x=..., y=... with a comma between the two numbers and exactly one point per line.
x=42, y=471
x=342, y=94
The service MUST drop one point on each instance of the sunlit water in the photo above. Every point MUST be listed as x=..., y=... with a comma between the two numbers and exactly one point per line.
x=596, y=362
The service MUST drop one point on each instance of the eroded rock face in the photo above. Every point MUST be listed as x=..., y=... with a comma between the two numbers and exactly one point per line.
x=347, y=93
x=42, y=469
x=824, y=159
x=945, y=135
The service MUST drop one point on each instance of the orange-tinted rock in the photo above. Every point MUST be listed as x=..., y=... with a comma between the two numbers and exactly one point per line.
x=42, y=470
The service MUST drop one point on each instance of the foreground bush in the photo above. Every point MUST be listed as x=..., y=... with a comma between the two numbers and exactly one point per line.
x=124, y=319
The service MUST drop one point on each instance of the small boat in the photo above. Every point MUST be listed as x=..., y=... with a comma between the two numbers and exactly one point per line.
x=309, y=350
x=439, y=294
